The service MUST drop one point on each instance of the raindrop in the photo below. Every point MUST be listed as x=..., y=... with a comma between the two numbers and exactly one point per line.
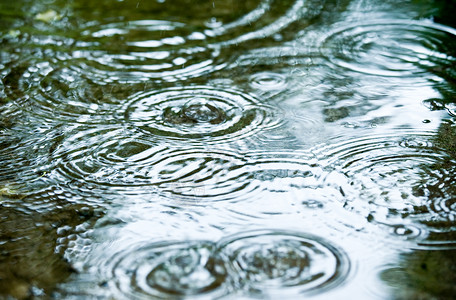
x=407, y=231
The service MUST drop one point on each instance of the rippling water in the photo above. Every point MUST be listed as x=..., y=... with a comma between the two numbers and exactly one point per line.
x=227, y=149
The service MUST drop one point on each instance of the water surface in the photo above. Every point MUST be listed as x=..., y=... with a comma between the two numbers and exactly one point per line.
x=227, y=149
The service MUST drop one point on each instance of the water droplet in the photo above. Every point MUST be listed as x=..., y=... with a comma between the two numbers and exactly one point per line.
x=199, y=110
x=407, y=231
x=268, y=81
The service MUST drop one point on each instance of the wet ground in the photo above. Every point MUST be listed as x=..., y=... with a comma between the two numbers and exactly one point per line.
x=227, y=149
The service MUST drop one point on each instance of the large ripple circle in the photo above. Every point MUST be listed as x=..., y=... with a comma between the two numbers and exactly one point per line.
x=401, y=180
x=167, y=270
x=201, y=112
x=391, y=47
x=274, y=263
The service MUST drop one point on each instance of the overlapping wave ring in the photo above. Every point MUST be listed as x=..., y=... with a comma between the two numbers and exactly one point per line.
x=142, y=50
x=54, y=92
x=116, y=159
x=164, y=50
x=201, y=113
x=254, y=263
x=391, y=179
x=391, y=47
x=72, y=77
x=277, y=263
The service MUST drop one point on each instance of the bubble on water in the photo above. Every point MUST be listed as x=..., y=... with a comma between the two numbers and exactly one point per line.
x=268, y=81
x=167, y=270
x=391, y=47
x=275, y=263
x=200, y=113
x=407, y=231
x=313, y=204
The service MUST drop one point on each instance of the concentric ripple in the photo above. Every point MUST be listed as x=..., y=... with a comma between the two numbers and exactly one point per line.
x=23, y=150
x=403, y=182
x=177, y=47
x=52, y=93
x=274, y=263
x=113, y=158
x=392, y=47
x=206, y=113
x=118, y=159
x=167, y=270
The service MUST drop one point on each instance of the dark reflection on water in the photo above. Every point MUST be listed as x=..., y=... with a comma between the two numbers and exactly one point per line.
x=146, y=145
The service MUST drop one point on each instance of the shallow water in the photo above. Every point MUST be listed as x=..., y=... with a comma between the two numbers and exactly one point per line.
x=227, y=149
